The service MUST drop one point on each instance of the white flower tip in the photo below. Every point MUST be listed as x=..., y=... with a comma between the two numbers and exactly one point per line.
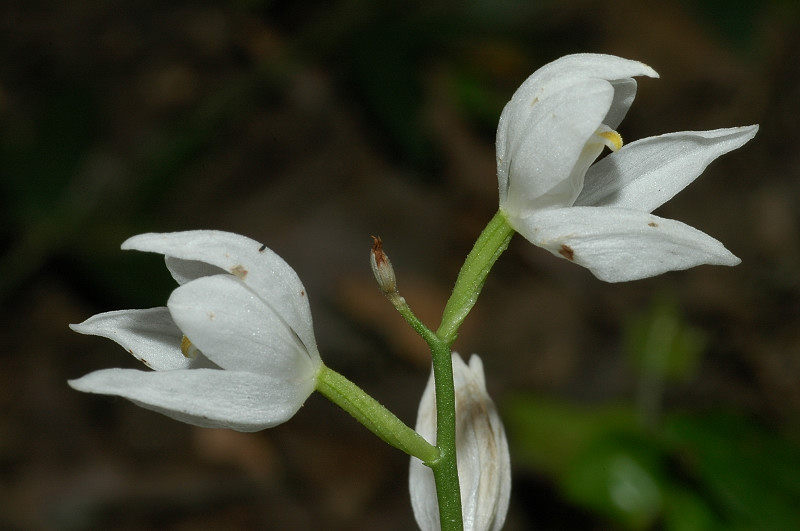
x=731, y=260
x=83, y=384
x=751, y=130
x=649, y=72
x=81, y=328
x=132, y=243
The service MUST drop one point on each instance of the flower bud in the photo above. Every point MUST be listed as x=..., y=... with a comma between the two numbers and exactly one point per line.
x=382, y=267
x=484, y=464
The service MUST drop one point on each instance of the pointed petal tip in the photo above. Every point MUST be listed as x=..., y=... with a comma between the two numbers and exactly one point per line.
x=750, y=129
x=84, y=328
x=614, y=66
x=142, y=242
x=83, y=384
x=131, y=243
x=648, y=71
x=731, y=260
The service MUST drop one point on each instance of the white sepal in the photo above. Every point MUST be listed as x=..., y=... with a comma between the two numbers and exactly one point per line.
x=544, y=162
x=209, y=398
x=264, y=272
x=149, y=335
x=619, y=245
x=545, y=126
x=647, y=173
x=236, y=330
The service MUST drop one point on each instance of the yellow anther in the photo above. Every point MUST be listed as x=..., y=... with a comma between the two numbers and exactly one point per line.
x=611, y=138
x=188, y=349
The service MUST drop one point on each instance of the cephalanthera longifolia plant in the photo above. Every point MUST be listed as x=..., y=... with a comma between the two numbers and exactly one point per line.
x=234, y=347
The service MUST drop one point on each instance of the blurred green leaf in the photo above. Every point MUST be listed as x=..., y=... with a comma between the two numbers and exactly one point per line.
x=686, y=510
x=707, y=472
x=750, y=474
x=547, y=434
x=660, y=342
x=476, y=96
x=618, y=476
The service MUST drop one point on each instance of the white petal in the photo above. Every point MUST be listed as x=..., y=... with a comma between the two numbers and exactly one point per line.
x=645, y=174
x=566, y=71
x=484, y=466
x=184, y=271
x=541, y=142
x=601, y=66
x=569, y=70
x=423, y=496
x=151, y=336
x=209, y=398
x=420, y=478
x=618, y=245
x=624, y=94
x=233, y=327
x=484, y=460
x=266, y=273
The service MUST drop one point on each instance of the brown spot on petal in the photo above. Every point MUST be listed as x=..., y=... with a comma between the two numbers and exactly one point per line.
x=302, y=293
x=239, y=271
x=652, y=224
x=262, y=248
x=567, y=252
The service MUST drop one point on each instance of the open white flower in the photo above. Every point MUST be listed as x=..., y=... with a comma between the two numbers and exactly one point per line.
x=555, y=126
x=233, y=348
x=484, y=464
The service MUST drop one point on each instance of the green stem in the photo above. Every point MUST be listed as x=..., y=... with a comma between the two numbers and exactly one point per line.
x=374, y=416
x=419, y=327
x=445, y=471
x=487, y=249
x=490, y=245
x=442, y=458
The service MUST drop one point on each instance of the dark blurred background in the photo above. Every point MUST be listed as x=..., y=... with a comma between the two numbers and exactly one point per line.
x=669, y=403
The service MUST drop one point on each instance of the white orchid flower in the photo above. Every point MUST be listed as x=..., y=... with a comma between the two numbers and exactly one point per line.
x=598, y=216
x=233, y=348
x=484, y=464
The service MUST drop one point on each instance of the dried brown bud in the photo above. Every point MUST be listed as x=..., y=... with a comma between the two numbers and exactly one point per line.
x=382, y=267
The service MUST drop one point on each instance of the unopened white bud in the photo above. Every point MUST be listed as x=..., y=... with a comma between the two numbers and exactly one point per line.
x=484, y=464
